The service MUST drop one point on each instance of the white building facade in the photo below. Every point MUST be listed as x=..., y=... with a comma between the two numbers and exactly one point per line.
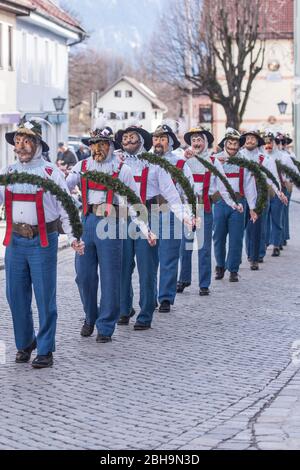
x=38, y=73
x=126, y=100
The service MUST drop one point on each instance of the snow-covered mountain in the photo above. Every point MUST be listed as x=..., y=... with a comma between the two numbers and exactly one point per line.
x=120, y=26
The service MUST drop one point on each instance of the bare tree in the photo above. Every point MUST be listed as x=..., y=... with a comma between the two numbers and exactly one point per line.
x=217, y=46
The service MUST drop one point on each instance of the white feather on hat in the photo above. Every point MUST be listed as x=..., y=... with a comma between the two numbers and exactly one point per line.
x=100, y=122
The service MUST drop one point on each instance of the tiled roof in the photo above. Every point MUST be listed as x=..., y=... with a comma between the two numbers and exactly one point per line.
x=51, y=11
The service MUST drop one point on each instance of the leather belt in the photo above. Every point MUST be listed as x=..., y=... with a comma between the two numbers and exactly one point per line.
x=200, y=199
x=217, y=197
x=99, y=210
x=31, y=231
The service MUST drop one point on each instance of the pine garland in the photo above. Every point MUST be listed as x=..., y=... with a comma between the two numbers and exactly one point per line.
x=223, y=178
x=176, y=174
x=294, y=177
x=296, y=162
x=113, y=184
x=262, y=186
x=49, y=186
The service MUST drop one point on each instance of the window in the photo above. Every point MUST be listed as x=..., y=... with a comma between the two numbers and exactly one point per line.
x=10, y=48
x=155, y=114
x=112, y=116
x=36, y=63
x=100, y=110
x=1, y=48
x=125, y=115
x=56, y=64
x=205, y=114
x=118, y=93
x=47, y=67
x=24, y=61
x=128, y=93
x=143, y=115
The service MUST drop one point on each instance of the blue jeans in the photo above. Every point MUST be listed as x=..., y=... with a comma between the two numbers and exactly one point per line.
x=253, y=238
x=286, y=221
x=170, y=234
x=228, y=221
x=264, y=231
x=27, y=266
x=204, y=255
x=105, y=256
x=146, y=259
x=275, y=221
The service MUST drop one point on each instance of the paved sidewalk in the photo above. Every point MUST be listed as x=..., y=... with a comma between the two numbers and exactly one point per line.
x=220, y=372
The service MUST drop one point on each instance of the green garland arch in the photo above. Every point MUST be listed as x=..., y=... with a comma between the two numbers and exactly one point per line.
x=116, y=186
x=49, y=186
x=296, y=162
x=176, y=174
x=223, y=178
x=270, y=176
x=289, y=173
x=260, y=180
x=113, y=184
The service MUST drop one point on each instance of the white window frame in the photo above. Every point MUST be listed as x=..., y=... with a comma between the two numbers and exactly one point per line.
x=36, y=61
x=47, y=68
x=10, y=47
x=1, y=46
x=24, y=56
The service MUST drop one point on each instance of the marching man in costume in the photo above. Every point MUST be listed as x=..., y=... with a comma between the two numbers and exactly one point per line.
x=205, y=186
x=286, y=158
x=103, y=251
x=31, y=245
x=252, y=151
x=277, y=201
x=164, y=142
x=228, y=221
x=152, y=181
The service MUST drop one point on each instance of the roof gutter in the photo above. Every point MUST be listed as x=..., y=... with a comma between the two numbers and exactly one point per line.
x=82, y=37
x=12, y=7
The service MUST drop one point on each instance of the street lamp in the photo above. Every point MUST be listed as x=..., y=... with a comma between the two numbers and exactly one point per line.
x=59, y=104
x=282, y=107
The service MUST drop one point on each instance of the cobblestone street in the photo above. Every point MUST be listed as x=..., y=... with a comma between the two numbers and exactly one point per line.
x=217, y=373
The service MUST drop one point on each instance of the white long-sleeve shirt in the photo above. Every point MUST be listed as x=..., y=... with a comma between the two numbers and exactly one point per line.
x=248, y=181
x=109, y=167
x=159, y=182
x=216, y=185
x=270, y=164
x=25, y=212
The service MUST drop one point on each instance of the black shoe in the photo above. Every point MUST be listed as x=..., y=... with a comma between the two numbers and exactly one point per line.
x=260, y=260
x=181, y=286
x=86, y=330
x=24, y=355
x=234, y=277
x=165, y=307
x=249, y=260
x=285, y=243
x=281, y=248
x=103, y=339
x=124, y=319
x=41, y=362
x=219, y=273
x=276, y=252
x=254, y=266
x=141, y=327
x=204, y=291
